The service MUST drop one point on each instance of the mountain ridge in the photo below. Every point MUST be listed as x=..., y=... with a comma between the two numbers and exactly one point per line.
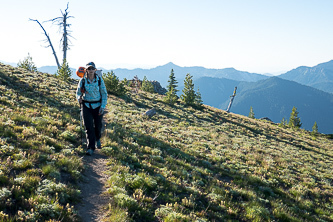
x=273, y=98
x=162, y=72
x=319, y=76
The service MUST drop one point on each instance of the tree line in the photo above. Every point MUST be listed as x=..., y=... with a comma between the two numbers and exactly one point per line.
x=189, y=96
x=294, y=121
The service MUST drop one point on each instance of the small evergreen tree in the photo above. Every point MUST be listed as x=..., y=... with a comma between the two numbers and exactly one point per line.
x=170, y=97
x=27, y=64
x=113, y=85
x=315, y=129
x=172, y=83
x=188, y=96
x=198, y=99
x=147, y=85
x=64, y=72
x=125, y=82
x=251, y=114
x=294, y=120
x=283, y=122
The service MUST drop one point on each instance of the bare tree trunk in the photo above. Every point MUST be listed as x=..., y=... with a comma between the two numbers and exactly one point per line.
x=232, y=99
x=65, y=44
x=62, y=22
x=49, y=40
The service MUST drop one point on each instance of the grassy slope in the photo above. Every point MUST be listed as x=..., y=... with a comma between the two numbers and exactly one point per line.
x=182, y=164
x=210, y=165
x=39, y=126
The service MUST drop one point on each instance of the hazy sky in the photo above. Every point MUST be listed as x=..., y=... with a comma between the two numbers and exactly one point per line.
x=262, y=36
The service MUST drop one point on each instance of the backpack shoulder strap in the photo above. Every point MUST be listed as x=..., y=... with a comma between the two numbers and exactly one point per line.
x=99, y=79
x=83, y=89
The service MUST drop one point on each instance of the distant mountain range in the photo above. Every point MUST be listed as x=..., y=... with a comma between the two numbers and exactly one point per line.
x=273, y=98
x=319, y=76
x=161, y=73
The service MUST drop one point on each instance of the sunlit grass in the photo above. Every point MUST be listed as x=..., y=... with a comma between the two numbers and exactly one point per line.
x=182, y=164
x=37, y=146
x=231, y=167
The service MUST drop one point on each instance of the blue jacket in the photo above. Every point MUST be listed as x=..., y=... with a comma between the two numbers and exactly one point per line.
x=93, y=92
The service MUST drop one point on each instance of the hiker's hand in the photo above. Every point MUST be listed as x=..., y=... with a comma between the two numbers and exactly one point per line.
x=80, y=100
x=101, y=111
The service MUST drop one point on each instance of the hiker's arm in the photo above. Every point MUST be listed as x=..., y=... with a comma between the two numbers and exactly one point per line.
x=78, y=91
x=104, y=94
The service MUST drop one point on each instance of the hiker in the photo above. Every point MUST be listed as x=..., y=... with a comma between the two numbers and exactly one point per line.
x=92, y=96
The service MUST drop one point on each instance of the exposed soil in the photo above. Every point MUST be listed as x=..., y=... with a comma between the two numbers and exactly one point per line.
x=93, y=186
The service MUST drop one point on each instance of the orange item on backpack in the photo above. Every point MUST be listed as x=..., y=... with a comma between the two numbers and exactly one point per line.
x=81, y=71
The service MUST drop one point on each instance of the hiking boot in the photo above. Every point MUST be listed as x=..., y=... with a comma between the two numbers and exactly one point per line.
x=89, y=152
x=98, y=144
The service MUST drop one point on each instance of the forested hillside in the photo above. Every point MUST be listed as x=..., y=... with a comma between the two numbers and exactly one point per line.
x=182, y=164
x=273, y=98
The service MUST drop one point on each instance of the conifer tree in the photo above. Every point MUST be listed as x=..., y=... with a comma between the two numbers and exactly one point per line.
x=251, y=114
x=113, y=85
x=294, y=120
x=147, y=85
x=283, y=123
x=170, y=97
x=27, y=64
x=172, y=83
x=188, y=96
x=198, y=99
x=315, y=129
x=64, y=72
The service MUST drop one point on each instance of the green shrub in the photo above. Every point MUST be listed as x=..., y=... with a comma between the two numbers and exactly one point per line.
x=64, y=72
x=51, y=171
x=67, y=135
x=124, y=201
x=113, y=85
x=27, y=64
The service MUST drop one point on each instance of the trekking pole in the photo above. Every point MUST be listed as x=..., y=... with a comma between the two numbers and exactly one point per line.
x=81, y=123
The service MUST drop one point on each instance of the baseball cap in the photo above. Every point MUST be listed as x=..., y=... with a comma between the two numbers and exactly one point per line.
x=90, y=64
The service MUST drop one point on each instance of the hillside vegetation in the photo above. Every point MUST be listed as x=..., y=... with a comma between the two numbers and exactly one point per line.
x=273, y=98
x=183, y=164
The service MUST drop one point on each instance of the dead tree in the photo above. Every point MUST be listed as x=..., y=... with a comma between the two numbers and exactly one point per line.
x=232, y=99
x=49, y=41
x=64, y=26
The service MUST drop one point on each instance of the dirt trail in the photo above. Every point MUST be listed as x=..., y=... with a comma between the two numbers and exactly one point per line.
x=93, y=186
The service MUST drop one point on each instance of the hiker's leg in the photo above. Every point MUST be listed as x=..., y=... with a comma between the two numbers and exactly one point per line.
x=89, y=125
x=98, y=125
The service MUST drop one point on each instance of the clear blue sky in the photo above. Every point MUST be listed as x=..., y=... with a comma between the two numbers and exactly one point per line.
x=263, y=36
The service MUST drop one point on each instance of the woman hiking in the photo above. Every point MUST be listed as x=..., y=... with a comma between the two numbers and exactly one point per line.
x=92, y=96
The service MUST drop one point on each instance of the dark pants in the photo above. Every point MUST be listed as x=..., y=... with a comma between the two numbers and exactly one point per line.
x=93, y=124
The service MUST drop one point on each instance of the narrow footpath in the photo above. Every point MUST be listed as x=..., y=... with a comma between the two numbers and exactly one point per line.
x=93, y=186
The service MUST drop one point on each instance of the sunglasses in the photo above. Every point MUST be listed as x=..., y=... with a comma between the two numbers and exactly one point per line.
x=91, y=68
